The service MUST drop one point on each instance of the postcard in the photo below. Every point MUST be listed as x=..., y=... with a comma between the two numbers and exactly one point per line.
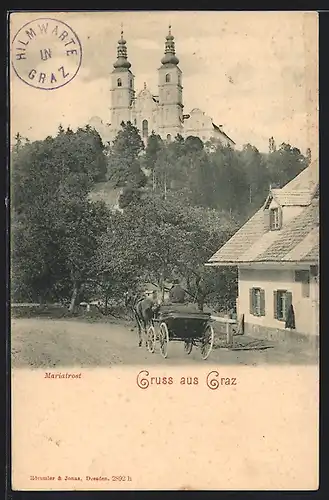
x=164, y=277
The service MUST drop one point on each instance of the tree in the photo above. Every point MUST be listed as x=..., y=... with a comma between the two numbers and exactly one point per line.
x=271, y=145
x=193, y=144
x=20, y=141
x=128, y=142
x=79, y=226
x=55, y=225
x=207, y=230
x=157, y=236
x=153, y=148
x=229, y=179
x=117, y=266
x=256, y=173
x=161, y=239
x=129, y=195
x=124, y=162
x=163, y=170
x=284, y=164
x=199, y=179
x=212, y=144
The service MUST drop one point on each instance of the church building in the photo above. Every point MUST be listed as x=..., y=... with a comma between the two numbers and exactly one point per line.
x=162, y=113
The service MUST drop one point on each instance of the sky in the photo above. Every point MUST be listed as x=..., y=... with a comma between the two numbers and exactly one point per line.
x=254, y=73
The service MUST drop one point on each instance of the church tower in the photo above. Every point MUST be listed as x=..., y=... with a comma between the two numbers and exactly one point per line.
x=170, y=92
x=122, y=88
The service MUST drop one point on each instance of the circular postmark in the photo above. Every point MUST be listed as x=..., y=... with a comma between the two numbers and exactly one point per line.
x=46, y=54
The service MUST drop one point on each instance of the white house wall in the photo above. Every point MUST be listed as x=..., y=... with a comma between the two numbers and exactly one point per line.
x=270, y=280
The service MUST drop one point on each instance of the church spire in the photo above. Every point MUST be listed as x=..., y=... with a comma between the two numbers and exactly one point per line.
x=170, y=57
x=122, y=58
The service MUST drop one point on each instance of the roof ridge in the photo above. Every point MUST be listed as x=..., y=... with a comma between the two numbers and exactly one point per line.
x=305, y=190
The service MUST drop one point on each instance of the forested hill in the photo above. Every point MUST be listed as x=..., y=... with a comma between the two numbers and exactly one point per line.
x=203, y=174
x=179, y=202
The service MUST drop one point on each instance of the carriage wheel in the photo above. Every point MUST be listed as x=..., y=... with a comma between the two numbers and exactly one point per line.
x=207, y=342
x=164, y=339
x=188, y=344
x=151, y=338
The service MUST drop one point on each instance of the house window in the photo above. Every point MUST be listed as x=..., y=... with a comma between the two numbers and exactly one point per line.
x=119, y=82
x=303, y=277
x=257, y=301
x=167, y=78
x=275, y=219
x=282, y=303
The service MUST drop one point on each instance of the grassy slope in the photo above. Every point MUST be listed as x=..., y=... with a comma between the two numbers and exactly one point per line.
x=106, y=192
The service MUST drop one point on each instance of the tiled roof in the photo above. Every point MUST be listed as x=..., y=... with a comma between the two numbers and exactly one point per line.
x=292, y=198
x=291, y=239
x=247, y=235
x=304, y=247
x=313, y=254
x=216, y=127
x=297, y=240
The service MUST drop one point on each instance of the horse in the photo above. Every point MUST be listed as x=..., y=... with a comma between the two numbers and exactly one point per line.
x=145, y=309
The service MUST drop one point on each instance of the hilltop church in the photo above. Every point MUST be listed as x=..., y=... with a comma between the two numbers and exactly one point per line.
x=162, y=113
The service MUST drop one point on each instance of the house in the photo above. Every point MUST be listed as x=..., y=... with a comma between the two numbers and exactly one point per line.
x=277, y=255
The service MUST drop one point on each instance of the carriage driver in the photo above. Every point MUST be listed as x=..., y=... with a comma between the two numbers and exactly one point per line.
x=177, y=294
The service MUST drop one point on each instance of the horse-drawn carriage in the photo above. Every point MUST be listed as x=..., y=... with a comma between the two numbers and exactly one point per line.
x=192, y=328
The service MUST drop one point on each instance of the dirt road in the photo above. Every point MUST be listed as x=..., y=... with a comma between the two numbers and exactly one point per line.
x=67, y=343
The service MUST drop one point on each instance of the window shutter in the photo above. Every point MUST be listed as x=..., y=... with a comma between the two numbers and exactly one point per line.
x=262, y=302
x=290, y=315
x=288, y=301
x=275, y=305
x=251, y=300
x=314, y=271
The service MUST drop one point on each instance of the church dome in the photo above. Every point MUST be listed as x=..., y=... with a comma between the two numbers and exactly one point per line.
x=170, y=57
x=122, y=63
x=122, y=58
